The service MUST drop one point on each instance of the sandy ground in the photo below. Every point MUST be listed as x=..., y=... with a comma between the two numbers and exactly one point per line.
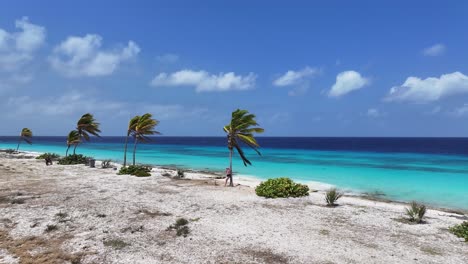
x=76, y=214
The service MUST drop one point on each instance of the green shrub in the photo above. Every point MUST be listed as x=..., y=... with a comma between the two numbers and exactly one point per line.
x=10, y=151
x=460, y=230
x=180, y=173
x=52, y=156
x=135, y=170
x=106, y=164
x=73, y=159
x=416, y=212
x=181, y=227
x=332, y=196
x=281, y=188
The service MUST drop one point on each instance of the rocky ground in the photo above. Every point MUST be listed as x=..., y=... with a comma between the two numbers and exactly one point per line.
x=77, y=214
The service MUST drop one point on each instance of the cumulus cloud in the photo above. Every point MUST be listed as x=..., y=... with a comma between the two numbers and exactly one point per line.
x=296, y=77
x=419, y=90
x=347, y=82
x=204, y=81
x=84, y=56
x=17, y=48
x=435, y=50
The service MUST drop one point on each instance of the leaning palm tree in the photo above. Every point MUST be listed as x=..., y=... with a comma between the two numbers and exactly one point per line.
x=85, y=127
x=143, y=128
x=241, y=129
x=130, y=131
x=26, y=135
x=73, y=138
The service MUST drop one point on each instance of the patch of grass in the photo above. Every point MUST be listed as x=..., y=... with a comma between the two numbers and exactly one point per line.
x=460, y=230
x=100, y=215
x=431, y=251
x=281, y=188
x=153, y=214
x=52, y=156
x=74, y=159
x=50, y=228
x=416, y=212
x=324, y=232
x=106, y=164
x=135, y=170
x=181, y=227
x=115, y=243
x=331, y=196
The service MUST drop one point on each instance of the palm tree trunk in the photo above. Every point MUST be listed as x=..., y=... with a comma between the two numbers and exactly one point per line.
x=125, y=151
x=19, y=142
x=134, y=150
x=231, y=182
x=74, y=149
x=66, y=152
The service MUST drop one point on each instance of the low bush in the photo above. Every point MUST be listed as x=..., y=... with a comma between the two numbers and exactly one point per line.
x=460, y=230
x=181, y=227
x=331, y=196
x=135, y=170
x=10, y=151
x=281, y=188
x=106, y=164
x=73, y=159
x=416, y=212
x=180, y=173
x=52, y=156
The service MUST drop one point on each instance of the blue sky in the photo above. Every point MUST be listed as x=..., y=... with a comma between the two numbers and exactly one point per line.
x=312, y=68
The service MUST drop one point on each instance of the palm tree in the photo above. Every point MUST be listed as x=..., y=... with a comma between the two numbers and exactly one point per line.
x=144, y=127
x=130, y=131
x=26, y=135
x=72, y=139
x=86, y=125
x=241, y=129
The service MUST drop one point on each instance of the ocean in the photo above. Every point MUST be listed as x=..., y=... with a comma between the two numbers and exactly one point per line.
x=429, y=170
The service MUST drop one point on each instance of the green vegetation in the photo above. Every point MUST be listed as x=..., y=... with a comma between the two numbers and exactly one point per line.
x=10, y=151
x=135, y=170
x=25, y=135
x=115, y=243
x=106, y=164
x=48, y=155
x=143, y=127
x=181, y=227
x=85, y=127
x=460, y=230
x=73, y=159
x=281, y=188
x=416, y=212
x=180, y=174
x=332, y=196
x=241, y=129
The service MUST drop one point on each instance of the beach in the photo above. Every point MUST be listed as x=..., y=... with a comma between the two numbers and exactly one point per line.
x=77, y=214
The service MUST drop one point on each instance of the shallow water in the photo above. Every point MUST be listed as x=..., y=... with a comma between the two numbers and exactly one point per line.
x=434, y=171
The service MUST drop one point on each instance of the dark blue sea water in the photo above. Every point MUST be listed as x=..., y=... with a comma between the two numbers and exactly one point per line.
x=431, y=170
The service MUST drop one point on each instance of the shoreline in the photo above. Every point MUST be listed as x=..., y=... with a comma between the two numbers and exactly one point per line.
x=252, y=181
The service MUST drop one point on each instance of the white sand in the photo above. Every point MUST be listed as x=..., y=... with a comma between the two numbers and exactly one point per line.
x=100, y=210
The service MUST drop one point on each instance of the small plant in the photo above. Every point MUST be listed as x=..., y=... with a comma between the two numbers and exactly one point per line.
x=50, y=228
x=416, y=212
x=331, y=196
x=180, y=174
x=181, y=227
x=115, y=243
x=135, y=170
x=10, y=151
x=52, y=156
x=460, y=230
x=106, y=164
x=281, y=188
x=74, y=159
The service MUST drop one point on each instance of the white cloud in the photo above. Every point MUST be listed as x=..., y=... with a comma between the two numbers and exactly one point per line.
x=204, y=81
x=347, y=82
x=168, y=58
x=83, y=56
x=435, y=50
x=17, y=48
x=430, y=89
x=373, y=112
x=296, y=77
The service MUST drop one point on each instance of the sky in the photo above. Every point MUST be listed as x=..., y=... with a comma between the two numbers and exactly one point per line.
x=304, y=68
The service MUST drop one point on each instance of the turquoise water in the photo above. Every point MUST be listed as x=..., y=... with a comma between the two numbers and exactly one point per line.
x=436, y=179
